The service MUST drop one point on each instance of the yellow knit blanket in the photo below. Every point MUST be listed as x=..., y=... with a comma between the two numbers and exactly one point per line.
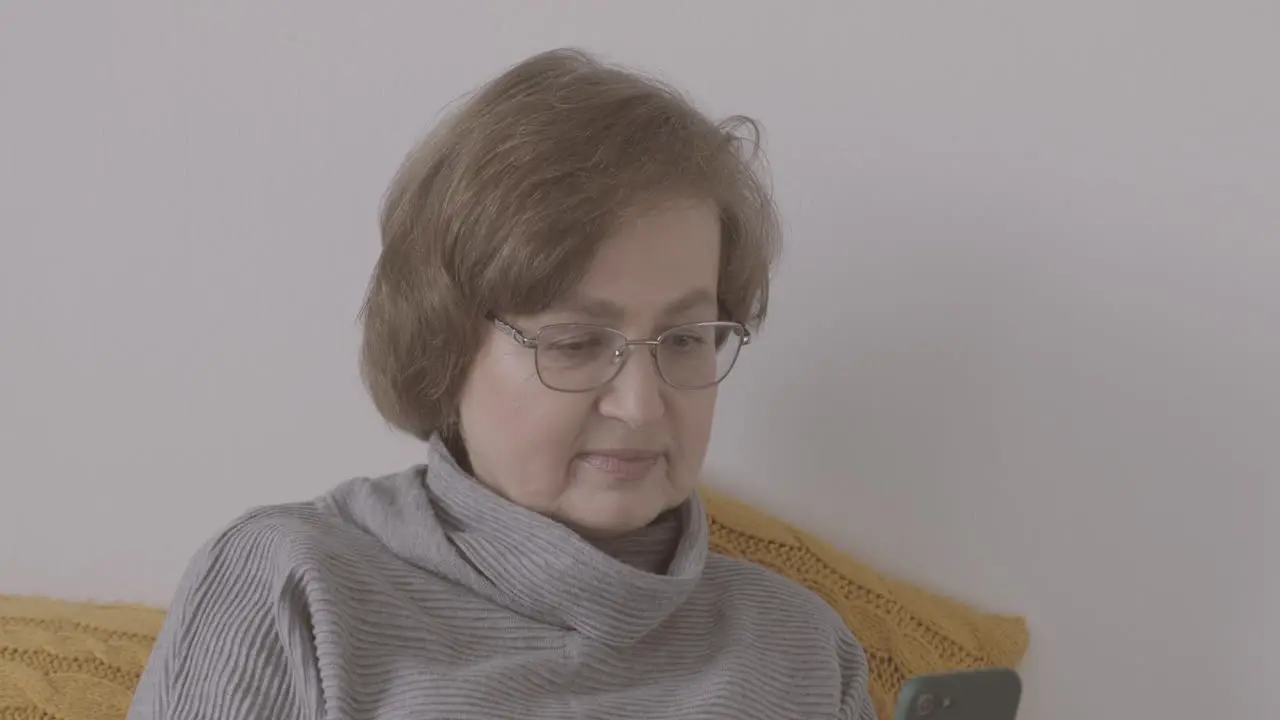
x=61, y=660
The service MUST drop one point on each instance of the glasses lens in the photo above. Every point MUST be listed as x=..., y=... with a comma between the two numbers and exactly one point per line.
x=699, y=355
x=575, y=358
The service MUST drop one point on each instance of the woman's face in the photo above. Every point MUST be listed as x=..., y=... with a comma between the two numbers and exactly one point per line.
x=612, y=459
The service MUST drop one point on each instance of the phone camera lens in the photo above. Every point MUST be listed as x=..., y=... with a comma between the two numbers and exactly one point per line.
x=925, y=705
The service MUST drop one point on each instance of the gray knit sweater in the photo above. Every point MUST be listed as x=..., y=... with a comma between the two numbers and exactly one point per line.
x=425, y=595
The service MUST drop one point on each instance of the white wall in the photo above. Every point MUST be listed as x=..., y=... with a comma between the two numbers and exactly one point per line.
x=1023, y=349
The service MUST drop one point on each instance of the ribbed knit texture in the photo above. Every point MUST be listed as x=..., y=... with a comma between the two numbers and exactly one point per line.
x=63, y=660
x=425, y=595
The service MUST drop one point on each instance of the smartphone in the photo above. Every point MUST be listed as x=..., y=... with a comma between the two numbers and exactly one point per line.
x=968, y=695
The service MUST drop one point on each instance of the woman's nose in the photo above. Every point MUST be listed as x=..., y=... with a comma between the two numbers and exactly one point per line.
x=634, y=396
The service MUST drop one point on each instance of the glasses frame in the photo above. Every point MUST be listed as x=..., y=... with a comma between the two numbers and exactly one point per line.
x=531, y=343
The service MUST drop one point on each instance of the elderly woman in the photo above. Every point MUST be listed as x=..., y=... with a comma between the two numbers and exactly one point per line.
x=570, y=266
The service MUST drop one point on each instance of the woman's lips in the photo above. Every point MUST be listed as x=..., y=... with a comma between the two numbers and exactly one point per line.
x=622, y=465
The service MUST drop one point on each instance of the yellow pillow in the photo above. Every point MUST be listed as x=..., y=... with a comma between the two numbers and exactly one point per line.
x=71, y=661
x=81, y=661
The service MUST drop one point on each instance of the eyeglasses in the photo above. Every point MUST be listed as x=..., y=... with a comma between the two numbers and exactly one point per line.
x=574, y=357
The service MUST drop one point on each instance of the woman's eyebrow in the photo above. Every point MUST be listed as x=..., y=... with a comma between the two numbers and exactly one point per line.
x=608, y=310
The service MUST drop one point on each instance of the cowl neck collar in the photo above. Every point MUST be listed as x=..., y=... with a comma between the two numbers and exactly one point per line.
x=442, y=519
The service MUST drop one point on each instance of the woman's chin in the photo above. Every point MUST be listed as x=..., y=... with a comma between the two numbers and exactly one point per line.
x=613, y=516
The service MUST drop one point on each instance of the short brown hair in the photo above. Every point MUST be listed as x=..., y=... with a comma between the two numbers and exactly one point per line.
x=502, y=207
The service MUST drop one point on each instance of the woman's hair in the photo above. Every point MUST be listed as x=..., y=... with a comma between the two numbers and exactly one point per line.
x=503, y=206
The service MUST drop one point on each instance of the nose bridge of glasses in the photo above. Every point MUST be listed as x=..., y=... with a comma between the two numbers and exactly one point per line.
x=652, y=343
x=622, y=354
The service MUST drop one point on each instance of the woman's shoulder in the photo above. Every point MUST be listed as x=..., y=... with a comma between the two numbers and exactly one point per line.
x=244, y=607
x=290, y=538
x=267, y=530
x=797, y=626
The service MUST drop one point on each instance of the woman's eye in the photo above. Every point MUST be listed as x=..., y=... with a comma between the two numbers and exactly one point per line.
x=578, y=345
x=687, y=341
